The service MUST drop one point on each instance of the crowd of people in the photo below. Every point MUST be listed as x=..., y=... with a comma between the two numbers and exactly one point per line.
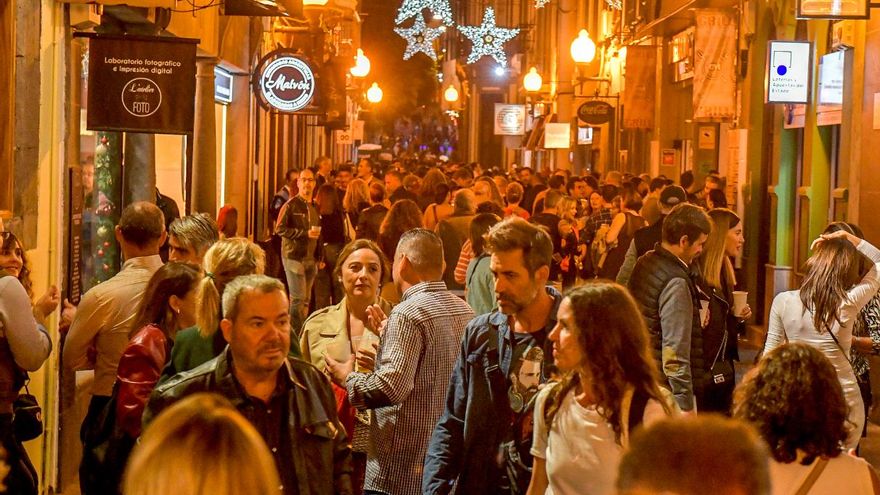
x=439, y=327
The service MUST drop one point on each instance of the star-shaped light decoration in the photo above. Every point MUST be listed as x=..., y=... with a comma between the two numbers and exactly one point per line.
x=419, y=38
x=440, y=9
x=615, y=4
x=541, y=3
x=488, y=39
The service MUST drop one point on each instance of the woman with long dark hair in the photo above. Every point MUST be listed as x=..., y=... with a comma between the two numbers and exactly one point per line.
x=610, y=386
x=822, y=313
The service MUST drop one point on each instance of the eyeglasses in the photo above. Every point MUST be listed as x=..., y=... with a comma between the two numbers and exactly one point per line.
x=306, y=180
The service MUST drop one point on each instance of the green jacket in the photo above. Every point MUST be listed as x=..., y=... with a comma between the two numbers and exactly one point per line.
x=191, y=349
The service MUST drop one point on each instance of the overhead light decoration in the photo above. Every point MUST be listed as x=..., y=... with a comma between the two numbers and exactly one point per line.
x=532, y=82
x=583, y=49
x=451, y=94
x=419, y=38
x=440, y=10
x=374, y=94
x=361, y=65
x=615, y=4
x=541, y=3
x=488, y=39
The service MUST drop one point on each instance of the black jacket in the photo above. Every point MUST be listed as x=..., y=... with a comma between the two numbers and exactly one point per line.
x=297, y=217
x=320, y=449
x=652, y=273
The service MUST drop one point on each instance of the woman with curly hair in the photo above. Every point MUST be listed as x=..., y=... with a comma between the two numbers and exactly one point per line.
x=822, y=313
x=781, y=397
x=582, y=423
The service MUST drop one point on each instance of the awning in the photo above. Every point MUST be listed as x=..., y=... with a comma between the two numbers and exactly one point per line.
x=677, y=17
x=168, y=4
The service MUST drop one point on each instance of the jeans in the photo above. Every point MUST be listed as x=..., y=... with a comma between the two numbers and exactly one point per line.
x=300, y=278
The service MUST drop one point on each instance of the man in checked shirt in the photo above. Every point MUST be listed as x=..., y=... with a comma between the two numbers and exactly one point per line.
x=418, y=349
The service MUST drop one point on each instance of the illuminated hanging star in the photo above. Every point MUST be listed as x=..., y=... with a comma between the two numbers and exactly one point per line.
x=488, y=39
x=440, y=9
x=419, y=38
x=540, y=3
x=615, y=4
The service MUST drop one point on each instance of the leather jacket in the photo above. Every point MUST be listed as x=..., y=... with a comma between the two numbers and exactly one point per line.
x=320, y=448
x=139, y=369
x=297, y=217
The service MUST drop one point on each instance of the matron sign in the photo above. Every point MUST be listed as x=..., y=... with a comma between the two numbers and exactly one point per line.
x=141, y=84
x=714, y=96
x=510, y=120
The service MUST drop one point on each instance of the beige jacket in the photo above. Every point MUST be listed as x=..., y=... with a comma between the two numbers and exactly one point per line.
x=326, y=327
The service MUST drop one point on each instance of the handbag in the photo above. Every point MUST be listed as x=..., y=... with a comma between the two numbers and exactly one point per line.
x=27, y=415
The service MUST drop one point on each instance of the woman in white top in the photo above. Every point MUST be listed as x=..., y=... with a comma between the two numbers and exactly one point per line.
x=823, y=311
x=794, y=399
x=582, y=423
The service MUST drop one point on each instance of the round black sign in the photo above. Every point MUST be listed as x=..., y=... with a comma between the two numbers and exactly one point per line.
x=595, y=112
x=284, y=82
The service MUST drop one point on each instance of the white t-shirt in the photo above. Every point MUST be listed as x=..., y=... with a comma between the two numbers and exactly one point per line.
x=579, y=451
x=843, y=474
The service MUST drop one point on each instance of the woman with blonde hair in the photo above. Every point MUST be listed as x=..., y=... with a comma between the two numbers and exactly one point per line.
x=822, y=313
x=610, y=387
x=224, y=261
x=201, y=446
x=356, y=199
x=716, y=285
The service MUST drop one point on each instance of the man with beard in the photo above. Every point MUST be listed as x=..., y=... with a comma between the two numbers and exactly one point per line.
x=481, y=443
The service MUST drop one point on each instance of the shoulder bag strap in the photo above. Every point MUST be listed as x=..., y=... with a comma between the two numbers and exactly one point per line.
x=834, y=337
x=816, y=471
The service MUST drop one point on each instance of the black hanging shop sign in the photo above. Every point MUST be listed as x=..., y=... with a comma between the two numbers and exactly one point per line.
x=141, y=84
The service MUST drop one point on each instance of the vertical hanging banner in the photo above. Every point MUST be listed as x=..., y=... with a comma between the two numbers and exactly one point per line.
x=142, y=84
x=639, y=89
x=715, y=66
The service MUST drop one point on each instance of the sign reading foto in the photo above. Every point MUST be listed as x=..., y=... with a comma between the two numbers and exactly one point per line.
x=141, y=84
x=788, y=71
x=284, y=82
x=510, y=120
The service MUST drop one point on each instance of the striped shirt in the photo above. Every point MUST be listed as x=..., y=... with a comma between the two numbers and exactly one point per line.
x=407, y=389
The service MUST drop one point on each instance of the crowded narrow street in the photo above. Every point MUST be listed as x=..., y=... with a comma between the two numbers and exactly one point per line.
x=470, y=247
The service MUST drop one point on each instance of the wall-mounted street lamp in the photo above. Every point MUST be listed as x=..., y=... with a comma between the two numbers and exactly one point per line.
x=532, y=81
x=451, y=94
x=361, y=65
x=583, y=49
x=374, y=94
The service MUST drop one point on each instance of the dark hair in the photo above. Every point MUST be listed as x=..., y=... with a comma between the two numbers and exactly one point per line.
x=463, y=173
x=556, y=182
x=657, y=183
x=572, y=182
x=608, y=192
x=171, y=279
x=356, y=245
x=717, y=197
x=291, y=171
x=11, y=243
x=831, y=270
x=592, y=182
x=706, y=454
x=403, y=215
x=615, y=346
x=369, y=162
x=345, y=167
x=377, y=192
x=685, y=220
x=479, y=227
x=686, y=179
x=515, y=233
x=794, y=398
x=490, y=207
x=141, y=223
x=441, y=191
x=327, y=200
x=630, y=197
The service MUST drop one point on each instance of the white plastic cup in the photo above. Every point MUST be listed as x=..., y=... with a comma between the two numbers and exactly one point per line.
x=315, y=229
x=740, y=301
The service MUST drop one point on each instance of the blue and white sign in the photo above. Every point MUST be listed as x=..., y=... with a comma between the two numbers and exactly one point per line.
x=222, y=85
x=789, y=64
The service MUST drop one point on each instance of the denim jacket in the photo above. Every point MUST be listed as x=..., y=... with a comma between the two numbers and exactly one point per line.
x=321, y=451
x=466, y=440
